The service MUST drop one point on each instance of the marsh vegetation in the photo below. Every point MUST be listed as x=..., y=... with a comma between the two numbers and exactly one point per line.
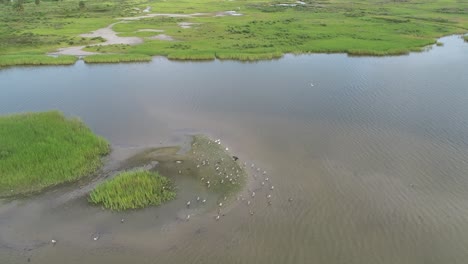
x=133, y=190
x=262, y=29
x=40, y=150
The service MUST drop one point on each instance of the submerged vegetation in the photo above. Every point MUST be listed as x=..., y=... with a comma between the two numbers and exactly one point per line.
x=252, y=30
x=133, y=190
x=40, y=150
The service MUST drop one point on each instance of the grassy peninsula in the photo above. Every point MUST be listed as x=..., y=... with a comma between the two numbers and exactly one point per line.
x=203, y=30
x=133, y=190
x=40, y=150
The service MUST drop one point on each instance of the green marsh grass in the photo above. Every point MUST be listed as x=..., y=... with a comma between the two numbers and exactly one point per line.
x=40, y=150
x=133, y=190
x=117, y=58
x=18, y=60
x=265, y=31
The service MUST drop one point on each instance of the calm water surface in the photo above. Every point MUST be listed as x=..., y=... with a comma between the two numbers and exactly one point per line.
x=373, y=151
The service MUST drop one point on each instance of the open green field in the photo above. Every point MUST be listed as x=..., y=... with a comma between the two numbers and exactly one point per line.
x=265, y=30
x=40, y=150
x=133, y=190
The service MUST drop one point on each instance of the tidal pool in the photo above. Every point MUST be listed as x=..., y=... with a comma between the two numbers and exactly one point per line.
x=368, y=158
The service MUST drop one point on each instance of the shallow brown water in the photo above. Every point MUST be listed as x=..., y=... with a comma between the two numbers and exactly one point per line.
x=374, y=156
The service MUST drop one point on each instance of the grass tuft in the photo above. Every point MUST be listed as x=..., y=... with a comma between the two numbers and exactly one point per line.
x=133, y=190
x=40, y=150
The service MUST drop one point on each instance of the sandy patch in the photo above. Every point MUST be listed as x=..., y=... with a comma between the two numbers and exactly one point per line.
x=106, y=33
x=111, y=37
x=162, y=37
x=150, y=30
x=75, y=51
x=163, y=15
x=187, y=24
x=228, y=13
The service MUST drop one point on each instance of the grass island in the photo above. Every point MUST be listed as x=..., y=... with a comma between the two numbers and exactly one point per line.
x=133, y=190
x=41, y=150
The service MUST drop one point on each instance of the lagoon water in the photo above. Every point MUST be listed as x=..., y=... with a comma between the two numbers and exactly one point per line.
x=372, y=151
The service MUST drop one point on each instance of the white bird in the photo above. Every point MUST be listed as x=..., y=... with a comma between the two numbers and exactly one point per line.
x=122, y=220
x=96, y=238
x=264, y=172
x=188, y=203
x=204, y=201
x=248, y=202
x=266, y=179
x=220, y=204
x=263, y=183
x=272, y=187
x=227, y=149
x=188, y=217
x=217, y=217
x=198, y=198
x=53, y=241
x=269, y=196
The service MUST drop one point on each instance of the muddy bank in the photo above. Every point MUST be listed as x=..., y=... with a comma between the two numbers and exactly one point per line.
x=106, y=33
x=112, y=38
x=203, y=171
